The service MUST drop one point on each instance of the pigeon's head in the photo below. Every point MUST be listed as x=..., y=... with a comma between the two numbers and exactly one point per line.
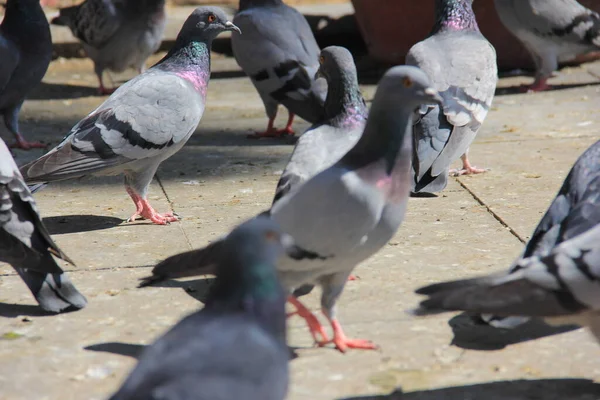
x=205, y=23
x=335, y=62
x=406, y=85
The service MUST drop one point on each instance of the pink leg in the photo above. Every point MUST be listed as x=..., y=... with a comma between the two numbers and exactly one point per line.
x=103, y=90
x=467, y=168
x=342, y=343
x=539, y=85
x=315, y=327
x=144, y=210
x=271, y=132
x=288, y=127
x=21, y=143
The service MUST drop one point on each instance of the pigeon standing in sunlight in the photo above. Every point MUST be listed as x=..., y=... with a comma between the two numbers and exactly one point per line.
x=25, y=53
x=563, y=287
x=116, y=34
x=346, y=213
x=575, y=210
x=279, y=53
x=552, y=31
x=234, y=348
x=462, y=65
x=26, y=244
x=144, y=122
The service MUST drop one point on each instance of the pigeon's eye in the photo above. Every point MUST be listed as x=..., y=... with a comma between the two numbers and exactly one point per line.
x=321, y=60
x=211, y=18
x=271, y=236
x=407, y=82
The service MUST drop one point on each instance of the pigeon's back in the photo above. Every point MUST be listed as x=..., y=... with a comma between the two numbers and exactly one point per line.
x=211, y=356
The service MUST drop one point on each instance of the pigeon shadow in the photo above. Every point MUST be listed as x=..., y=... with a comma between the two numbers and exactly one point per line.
x=63, y=224
x=472, y=334
x=123, y=349
x=197, y=288
x=517, y=89
x=547, y=389
x=27, y=310
x=61, y=91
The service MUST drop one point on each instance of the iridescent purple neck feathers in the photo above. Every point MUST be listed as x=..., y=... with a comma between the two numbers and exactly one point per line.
x=454, y=15
x=190, y=62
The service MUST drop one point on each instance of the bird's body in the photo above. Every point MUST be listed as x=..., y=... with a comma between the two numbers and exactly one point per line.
x=26, y=244
x=552, y=31
x=236, y=346
x=462, y=66
x=349, y=211
x=143, y=123
x=116, y=34
x=280, y=55
x=25, y=51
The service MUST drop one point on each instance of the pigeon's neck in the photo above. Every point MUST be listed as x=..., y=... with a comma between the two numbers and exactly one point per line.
x=454, y=15
x=244, y=4
x=190, y=61
x=25, y=21
x=344, y=105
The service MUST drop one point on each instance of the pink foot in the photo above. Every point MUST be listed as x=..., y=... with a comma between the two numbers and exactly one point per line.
x=352, y=278
x=343, y=343
x=102, y=91
x=143, y=210
x=272, y=133
x=23, y=144
x=315, y=327
x=470, y=170
x=535, y=87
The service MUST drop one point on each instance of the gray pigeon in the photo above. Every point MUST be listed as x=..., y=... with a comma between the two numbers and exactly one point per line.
x=26, y=244
x=563, y=287
x=345, y=117
x=25, y=53
x=344, y=214
x=575, y=210
x=279, y=53
x=234, y=348
x=116, y=34
x=144, y=122
x=552, y=31
x=462, y=66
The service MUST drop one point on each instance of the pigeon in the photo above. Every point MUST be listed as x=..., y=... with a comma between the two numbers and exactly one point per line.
x=144, y=122
x=344, y=214
x=563, y=287
x=462, y=65
x=235, y=347
x=575, y=210
x=116, y=34
x=279, y=53
x=345, y=117
x=25, y=51
x=552, y=31
x=26, y=244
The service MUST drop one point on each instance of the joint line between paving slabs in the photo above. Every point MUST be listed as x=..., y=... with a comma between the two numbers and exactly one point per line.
x=162, y=187
x=489, y=210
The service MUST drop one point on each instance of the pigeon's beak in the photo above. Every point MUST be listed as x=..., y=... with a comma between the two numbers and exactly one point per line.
x=231, y=27
x=433, y=95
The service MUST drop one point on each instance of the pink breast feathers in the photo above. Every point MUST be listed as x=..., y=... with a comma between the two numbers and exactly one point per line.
x=198, y=80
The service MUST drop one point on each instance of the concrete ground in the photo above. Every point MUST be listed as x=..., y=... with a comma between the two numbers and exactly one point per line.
x=477, y=225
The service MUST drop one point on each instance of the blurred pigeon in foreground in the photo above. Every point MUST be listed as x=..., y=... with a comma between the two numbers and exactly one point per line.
x=552, y=31
x=326, y=142
x=25, y=53
x=279, y=53
x=563, y=287
x=346, y=213
x=575, y=210
x=234, y=348
x=144, y=122
x=116, y=34
x=462, y=66
x=26, y=244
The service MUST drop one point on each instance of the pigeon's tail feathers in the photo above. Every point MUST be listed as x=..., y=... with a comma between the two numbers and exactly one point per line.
x=503, y=322
x=53, y=291
x=38, y=186
x=430, y=183
x=192, y=263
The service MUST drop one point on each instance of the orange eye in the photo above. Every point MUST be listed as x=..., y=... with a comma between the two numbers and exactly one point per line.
x=211, y=18
x=407, y=82
x=271, y=236
x=321, y=60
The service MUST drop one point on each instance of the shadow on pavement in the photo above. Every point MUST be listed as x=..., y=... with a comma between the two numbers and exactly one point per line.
x=517, y=89
x=61, y=91
x=473, y=335
x=79, y=223
x=123, y=349
x=25, y=310
x=198, y=288
x=547, y=389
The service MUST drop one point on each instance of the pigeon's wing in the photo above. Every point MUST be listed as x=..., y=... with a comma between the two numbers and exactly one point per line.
x=141, y=120
x=566, y=281
x=93, y=21
x=278, y=51
x=227, y=353
x=10, y=56
x=462, y=67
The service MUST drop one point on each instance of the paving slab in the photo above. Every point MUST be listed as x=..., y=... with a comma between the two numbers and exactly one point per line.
x=220, y=178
